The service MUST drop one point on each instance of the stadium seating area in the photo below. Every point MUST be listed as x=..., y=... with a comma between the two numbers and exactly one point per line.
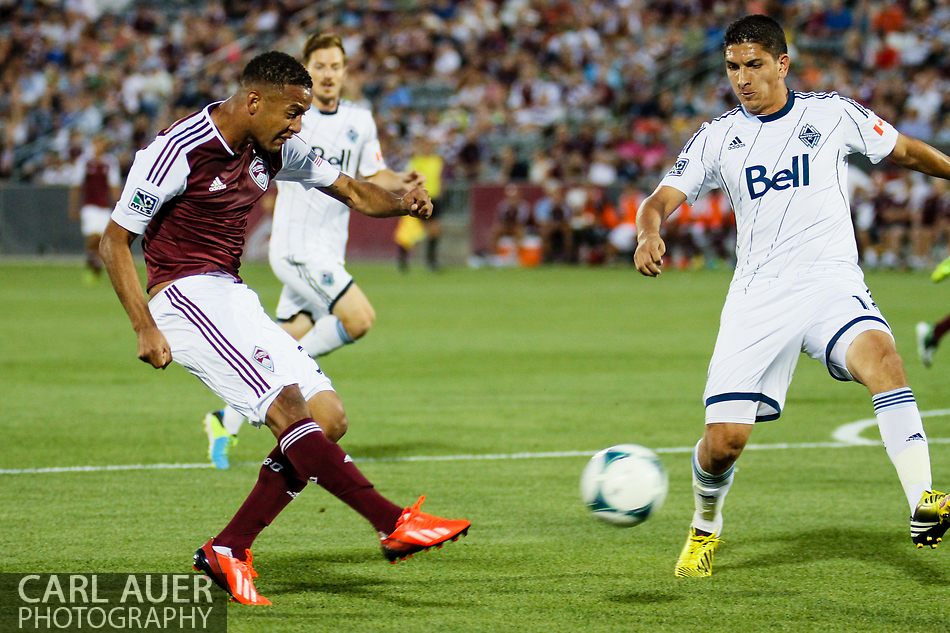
x=603, y=92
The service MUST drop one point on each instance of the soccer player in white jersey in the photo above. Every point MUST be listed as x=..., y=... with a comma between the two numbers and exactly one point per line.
x=320, y=304
x=781, y=158
x=189, y=193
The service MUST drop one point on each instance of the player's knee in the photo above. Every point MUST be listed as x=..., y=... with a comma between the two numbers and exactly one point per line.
x=359, y=323
x=335, y=424
x=874, y=361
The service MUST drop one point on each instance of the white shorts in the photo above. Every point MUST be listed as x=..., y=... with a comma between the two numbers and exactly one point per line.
x=311, y=284
x=763, y=331
x=93, y=220
x=219, y=332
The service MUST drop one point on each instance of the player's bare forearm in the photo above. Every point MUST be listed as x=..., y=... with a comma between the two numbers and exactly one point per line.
x=375, y=201
x=395, y=182
x=914, y=154
x=649, y=217
x=658, y=206
x=117, y=258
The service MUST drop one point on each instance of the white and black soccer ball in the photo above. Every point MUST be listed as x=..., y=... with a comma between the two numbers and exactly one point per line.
x=624, y=484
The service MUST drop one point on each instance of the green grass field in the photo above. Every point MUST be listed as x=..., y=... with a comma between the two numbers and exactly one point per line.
x=468, y=363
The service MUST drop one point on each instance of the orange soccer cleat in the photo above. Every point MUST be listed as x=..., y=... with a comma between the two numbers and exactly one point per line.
x=417, y=531
x=233, y=575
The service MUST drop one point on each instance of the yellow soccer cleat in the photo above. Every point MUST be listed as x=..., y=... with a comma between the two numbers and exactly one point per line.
x=942, y=271
x=931, y=519
x=696, y=559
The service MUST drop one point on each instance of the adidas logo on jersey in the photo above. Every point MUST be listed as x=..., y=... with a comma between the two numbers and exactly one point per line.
x=736, y=143
x=217, y=185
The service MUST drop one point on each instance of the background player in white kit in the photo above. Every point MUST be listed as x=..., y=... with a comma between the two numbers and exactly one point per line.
x=781, y=157
x=189, y=192
x=320, y=304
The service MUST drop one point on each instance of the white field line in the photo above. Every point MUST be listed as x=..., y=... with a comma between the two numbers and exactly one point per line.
x=846, y=436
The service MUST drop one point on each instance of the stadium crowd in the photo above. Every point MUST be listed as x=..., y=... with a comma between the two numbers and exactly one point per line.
x=550, y=92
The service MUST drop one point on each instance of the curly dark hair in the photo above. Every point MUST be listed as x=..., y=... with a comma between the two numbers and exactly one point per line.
x=757, y=29
x=275, y=69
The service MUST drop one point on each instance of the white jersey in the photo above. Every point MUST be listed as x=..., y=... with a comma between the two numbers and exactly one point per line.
x=307, y=222
x=786, y=178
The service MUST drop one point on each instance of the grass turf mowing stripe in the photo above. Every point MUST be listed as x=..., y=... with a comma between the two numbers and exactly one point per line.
x=847, y=436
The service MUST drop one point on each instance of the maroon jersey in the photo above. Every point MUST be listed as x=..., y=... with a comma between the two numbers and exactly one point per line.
x=190, y=194
x=98, y=176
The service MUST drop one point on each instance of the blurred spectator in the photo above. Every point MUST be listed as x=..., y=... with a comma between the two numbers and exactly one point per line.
x=513, y=219
x=893, y=216
x=861, y=193
x=507, y=166
x=622, y=239
x=931, y=223
x=592, y=226
x=553, y=216
x=470, y=157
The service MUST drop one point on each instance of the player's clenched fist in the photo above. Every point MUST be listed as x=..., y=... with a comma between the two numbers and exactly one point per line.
x=649, y=255
x=418, y=203
x=154, y=349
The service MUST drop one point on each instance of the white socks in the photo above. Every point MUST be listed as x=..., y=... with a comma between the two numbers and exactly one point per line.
x=905, y=440
x=231, y=420
x=709, y=492
x=326, y=335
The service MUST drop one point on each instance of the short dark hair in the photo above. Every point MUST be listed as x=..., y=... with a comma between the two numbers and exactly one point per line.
x=757, y=29
x=319, y=41
x=275, y=69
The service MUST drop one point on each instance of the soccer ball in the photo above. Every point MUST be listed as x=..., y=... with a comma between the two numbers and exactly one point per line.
x=624, y=484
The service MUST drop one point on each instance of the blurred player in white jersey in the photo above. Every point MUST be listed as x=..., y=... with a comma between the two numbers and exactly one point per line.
x=781, y=158
x=320, y=304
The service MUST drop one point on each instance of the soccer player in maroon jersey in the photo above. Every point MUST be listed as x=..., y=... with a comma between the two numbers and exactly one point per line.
x=928, y=338
x=189, y=192
x=91, y=199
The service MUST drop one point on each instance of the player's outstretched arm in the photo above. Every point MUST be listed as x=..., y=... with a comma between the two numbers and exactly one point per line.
x=117, y=258
x=375, y=201
x=397, y=182
x=658, y=206
x=914, y=154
